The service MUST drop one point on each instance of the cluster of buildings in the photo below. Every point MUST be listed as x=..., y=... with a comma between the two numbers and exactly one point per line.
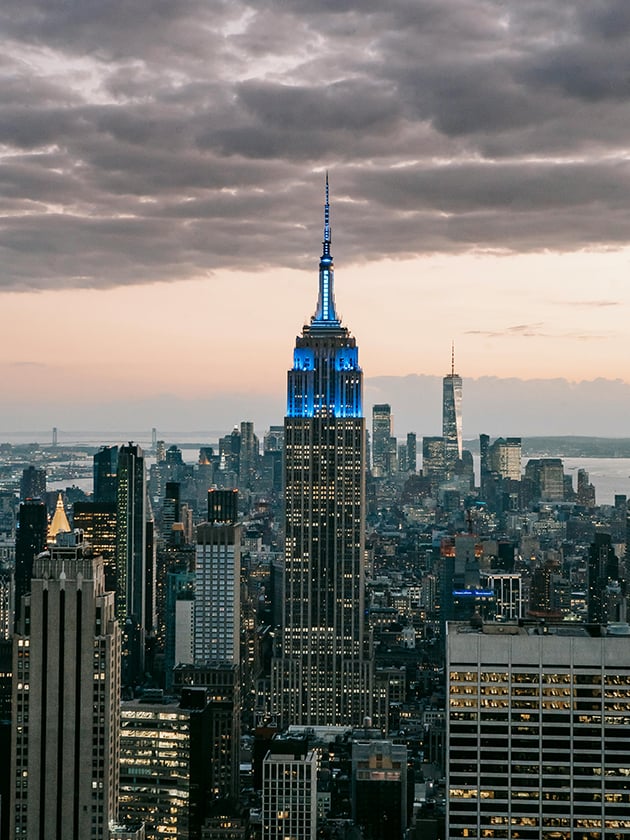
x=316, y=639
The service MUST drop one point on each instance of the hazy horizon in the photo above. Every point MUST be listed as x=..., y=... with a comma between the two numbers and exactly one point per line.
x=493, y=405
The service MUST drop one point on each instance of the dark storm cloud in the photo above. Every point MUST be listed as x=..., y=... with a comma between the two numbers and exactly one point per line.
x=156, y=140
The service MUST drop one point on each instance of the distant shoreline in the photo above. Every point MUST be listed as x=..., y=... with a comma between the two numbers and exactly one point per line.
x=568, y=446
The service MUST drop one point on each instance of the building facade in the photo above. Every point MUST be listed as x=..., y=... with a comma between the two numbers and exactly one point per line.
x=217, y=581
x=165, y=766
x=66, y=690
x=289, y=796
x=537, y=733
x=381, y=436
x=30, y=540
x=321, y=674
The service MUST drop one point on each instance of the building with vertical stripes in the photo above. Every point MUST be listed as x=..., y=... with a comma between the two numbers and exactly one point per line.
x=65, y=699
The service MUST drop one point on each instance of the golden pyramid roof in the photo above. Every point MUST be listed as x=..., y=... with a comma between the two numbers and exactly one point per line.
x=59, y=523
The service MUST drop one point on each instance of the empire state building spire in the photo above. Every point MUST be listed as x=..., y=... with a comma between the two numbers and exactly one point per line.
x=325, y=315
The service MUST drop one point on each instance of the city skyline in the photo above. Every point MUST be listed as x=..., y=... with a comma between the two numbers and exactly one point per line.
x=162, y=176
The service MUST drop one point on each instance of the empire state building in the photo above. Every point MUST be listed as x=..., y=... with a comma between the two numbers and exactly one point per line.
x=321, y=674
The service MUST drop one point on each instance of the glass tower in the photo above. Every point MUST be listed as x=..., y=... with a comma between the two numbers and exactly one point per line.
x=321, y=674
x=452, y=417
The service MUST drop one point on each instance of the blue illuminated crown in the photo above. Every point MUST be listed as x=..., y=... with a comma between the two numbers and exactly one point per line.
x=326, y=380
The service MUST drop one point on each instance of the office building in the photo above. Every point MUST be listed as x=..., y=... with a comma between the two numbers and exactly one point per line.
x=66, y=689
x=105, y=471
x=321, y=673
x=289, y=796
x=97, y=520
x=547, y=479
x=217, y=581
x=452, y=417
x=30, y=540
x=434, y=461
x=249, y=457
x=381, y=436
x=222, y=683
x=537, y=732
x=164, y=764
x=504, y=458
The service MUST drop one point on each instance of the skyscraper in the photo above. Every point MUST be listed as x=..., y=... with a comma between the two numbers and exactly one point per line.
x=33, y=483
x=217, y=581
x=452, y=416
x=105, y=463
x=66, y=689
x=381, y=436
x=97, y=520
x=29, y=542
x=412, y=452
x=322, y=672
x=603, y=580
x=133, y=602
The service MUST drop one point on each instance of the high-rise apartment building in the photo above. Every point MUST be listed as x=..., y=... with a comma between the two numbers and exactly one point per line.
x=452, y=417
x=217, y=581
x=321, y=674
x=66, y=690
x=33, y=483
x=537, y=732
x=381, y=437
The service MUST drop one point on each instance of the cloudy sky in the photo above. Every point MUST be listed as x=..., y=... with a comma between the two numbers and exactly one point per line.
x=162, y=167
